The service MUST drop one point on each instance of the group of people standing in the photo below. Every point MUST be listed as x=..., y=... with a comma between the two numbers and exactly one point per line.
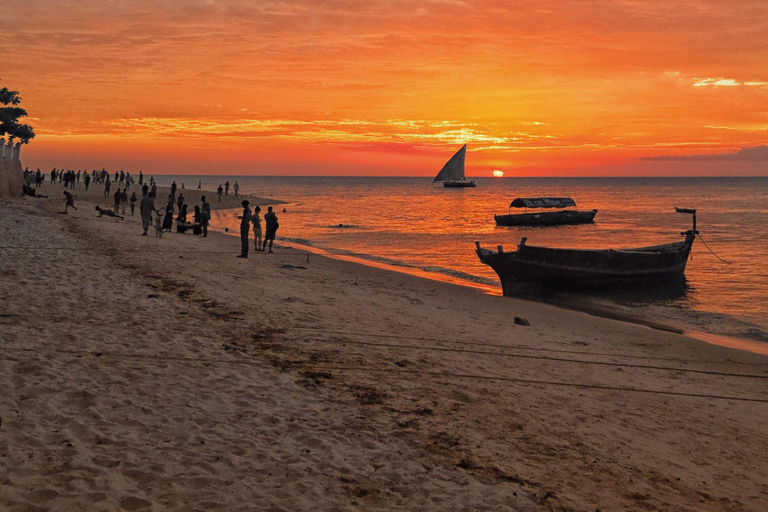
x=248, y=218
x=201, y=219
x=225, y=190
x=201, y=216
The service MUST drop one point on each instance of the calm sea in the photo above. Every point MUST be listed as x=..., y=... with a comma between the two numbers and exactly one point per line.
x=413, y=223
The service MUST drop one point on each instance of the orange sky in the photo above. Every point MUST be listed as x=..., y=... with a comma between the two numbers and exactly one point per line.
x=389, y=87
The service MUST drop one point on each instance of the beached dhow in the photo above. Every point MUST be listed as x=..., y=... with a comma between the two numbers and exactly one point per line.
x=591, y=268
x=452, y=173
x=562, y=215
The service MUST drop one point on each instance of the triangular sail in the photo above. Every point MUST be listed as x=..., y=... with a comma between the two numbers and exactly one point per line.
x=453, y=170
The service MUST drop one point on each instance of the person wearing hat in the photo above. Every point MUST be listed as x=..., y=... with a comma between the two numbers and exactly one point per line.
x=245, y=227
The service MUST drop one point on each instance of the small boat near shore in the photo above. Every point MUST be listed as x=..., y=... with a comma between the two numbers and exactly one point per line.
x=452, y=173
x=591, y=268
x=561, y=216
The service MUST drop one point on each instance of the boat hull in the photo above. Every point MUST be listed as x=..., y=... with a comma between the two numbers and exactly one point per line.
x=459, y=184
x=562, y=217
x=578, y=268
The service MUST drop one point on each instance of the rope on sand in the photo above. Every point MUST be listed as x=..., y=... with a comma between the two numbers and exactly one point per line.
x=554, y=359
x=520, y=347
x=162, y=359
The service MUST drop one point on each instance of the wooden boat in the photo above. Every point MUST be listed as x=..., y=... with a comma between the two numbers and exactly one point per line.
x=542, y=218
x=587, y=268
x=452, y=173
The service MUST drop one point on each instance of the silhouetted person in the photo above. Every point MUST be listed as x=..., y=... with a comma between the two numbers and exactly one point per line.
x=205, y=215
x=108, y=213
x=245, y=227
x=29, y=191
x=146, y=208
x=256, y=220
x=69, y=200
x=133, y=202
x=271, y=225
x=198, y=218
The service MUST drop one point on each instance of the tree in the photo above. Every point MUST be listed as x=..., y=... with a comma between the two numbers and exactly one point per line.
x=9, y=117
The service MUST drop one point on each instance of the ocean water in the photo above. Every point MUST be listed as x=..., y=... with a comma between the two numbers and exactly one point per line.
x=415, y=224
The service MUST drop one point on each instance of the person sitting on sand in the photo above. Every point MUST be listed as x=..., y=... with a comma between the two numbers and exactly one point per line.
x=69, y=200
x=27, y=190
x=108, y=213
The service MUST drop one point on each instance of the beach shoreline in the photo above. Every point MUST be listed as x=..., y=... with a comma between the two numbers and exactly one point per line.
x=606, y=312
x=153, y=373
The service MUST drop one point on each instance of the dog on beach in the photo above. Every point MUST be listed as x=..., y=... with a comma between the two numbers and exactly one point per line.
x=158, y=226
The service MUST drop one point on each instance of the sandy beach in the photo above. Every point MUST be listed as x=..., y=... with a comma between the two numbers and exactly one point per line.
x=144, y=373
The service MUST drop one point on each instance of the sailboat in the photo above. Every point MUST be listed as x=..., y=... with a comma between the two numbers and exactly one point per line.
x=452, y=173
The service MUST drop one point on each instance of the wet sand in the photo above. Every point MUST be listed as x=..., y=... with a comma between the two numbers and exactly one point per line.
x=153, y=374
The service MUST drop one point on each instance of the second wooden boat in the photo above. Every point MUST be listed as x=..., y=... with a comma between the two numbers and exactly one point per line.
x=562, y=215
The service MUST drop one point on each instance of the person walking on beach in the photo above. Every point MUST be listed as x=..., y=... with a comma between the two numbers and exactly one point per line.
x=107, y=186
x=173, y=188
x=219, y=191
x=180, y=201
x=133, y=202
x=245, y=227
x=256, y=220
x=146, y=209
x=226, y=188
x=199, y=184
x=87, y=181
x=69, y=200
x=237, y=189
x=118, y=196
x=270, y=219
x=205, y=215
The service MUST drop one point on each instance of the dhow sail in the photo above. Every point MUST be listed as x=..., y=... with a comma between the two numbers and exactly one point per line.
x=453, y=170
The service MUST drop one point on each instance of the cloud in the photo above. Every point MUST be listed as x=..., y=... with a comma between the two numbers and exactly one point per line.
x=751, y=154
x=726, y=82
